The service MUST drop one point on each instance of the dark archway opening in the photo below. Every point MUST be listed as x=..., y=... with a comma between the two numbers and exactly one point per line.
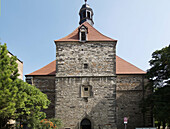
x=85, y=124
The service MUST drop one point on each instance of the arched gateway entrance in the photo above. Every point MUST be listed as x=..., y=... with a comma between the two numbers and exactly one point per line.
x=85, y=124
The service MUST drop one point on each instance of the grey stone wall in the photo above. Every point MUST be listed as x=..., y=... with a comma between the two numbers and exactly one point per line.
x=129, y=93
x=71, y=57
x=100, y=107
x=99, y=74
x=47, y=85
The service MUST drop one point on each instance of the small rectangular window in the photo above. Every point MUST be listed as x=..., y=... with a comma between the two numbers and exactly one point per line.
x=83, y=36
x=85, y=66
x=86, y=89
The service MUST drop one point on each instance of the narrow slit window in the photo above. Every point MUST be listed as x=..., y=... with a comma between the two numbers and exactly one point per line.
x=85, y=66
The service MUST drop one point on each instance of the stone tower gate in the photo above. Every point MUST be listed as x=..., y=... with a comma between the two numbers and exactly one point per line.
x=88, y=85
x=86, y=81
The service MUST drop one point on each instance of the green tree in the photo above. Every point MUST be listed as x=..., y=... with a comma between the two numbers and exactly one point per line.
x=159, y=81
x=18, y=100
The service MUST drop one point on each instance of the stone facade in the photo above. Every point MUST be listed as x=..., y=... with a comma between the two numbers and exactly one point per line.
x=86, y=86
x=90, y=64
x=99, y=108
x=129, y=93
x=71, y=107
x=47, y=85
x=72, y=56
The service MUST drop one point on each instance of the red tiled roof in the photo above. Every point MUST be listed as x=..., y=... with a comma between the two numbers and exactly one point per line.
x=122, y=67
x=93, y=35
x=49, y=69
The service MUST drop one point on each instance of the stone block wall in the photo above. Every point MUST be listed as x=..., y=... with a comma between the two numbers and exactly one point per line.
x=99, y=108
x=130, y=91
x=47, y=85
x=72, y=56
x=89, y=64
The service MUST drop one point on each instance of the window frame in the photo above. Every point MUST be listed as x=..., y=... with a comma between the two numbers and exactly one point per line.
x=83, y=30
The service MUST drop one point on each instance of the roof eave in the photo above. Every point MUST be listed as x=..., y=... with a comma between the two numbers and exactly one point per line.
x=55, y=41
x=38, y=75
x=131, y=73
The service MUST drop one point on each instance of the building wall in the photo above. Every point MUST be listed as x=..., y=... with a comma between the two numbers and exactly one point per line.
x=99, y=108
x=71, y=106
x=100, y=57
x=47, y=85
x=112, y=97
x=129, y=94
x=20, y=67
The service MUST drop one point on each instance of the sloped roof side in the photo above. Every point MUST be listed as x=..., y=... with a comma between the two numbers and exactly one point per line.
x=122, y=67
x=49, y=69
x=93, y=35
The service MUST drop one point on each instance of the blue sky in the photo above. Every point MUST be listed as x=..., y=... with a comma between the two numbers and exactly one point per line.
x=29, y=27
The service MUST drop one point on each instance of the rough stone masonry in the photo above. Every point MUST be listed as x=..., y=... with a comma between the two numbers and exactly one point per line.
x=86, y=67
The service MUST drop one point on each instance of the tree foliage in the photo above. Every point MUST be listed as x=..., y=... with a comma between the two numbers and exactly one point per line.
x=159, y=73
x=18, y=100
x=159, y=81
